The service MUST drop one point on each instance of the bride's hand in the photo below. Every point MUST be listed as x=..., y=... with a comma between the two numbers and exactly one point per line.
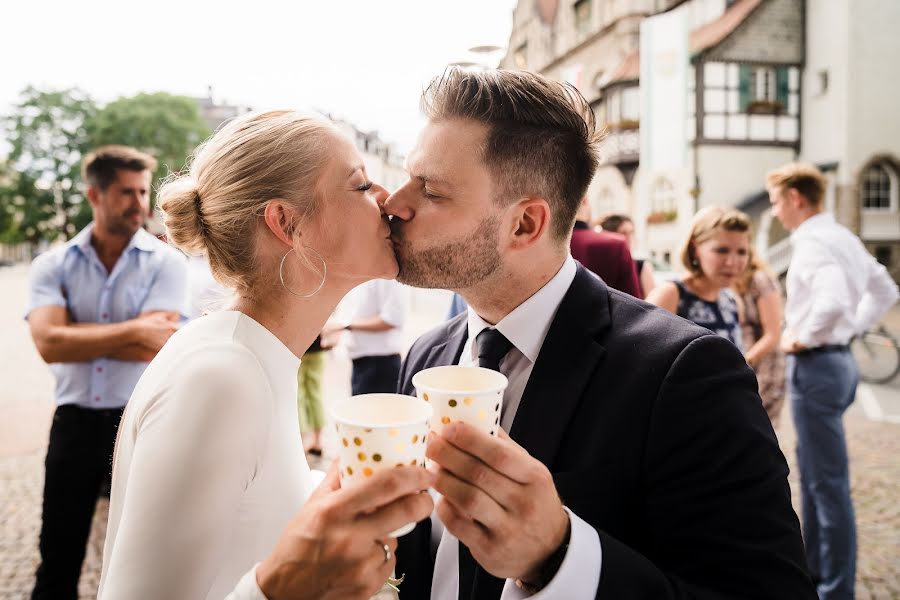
x=334, y=547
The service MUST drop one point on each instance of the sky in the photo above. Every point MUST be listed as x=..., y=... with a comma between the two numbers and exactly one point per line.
x=365, y=62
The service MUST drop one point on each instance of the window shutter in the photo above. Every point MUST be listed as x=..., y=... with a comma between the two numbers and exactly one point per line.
x=781, y=86
x=744, y=84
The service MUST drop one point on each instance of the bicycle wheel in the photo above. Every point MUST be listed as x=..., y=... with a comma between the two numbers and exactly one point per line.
x=877, y=356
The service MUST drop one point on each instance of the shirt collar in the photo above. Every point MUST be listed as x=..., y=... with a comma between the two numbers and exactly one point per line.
x=142, y=240
x=814, y=222
x=527, y=325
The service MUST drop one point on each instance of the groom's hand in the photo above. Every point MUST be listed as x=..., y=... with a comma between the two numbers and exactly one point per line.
x=498, y=500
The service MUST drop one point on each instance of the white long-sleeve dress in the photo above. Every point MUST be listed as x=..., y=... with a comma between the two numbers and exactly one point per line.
x=209, y=466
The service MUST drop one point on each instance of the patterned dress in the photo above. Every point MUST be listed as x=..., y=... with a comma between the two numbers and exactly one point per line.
x=720, y=317
x=770, y=369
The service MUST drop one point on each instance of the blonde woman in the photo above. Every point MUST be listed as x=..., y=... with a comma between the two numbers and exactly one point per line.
x=715, y=255
x=210, y=478
x=761, y=330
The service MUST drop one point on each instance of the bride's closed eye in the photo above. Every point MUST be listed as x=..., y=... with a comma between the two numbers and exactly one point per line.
x=365, y=187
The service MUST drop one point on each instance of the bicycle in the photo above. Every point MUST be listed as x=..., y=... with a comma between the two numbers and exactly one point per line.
x=877, y=355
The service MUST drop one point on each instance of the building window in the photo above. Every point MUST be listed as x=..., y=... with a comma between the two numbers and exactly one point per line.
x=582, y=18
x=879, y=188
x=663, y=203
x=621, y=109
x=520, y=56
x=753, y=103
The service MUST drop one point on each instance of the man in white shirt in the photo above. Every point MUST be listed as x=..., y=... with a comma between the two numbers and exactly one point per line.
x=639, y=461
x=835, y=291
x=374, y=337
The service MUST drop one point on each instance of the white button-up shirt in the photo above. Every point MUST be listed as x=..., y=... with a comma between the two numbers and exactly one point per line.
x=526, y=327
x=835, y=288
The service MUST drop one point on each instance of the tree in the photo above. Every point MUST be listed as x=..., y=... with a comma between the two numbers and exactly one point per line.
x=166, y=126
x=40, y=191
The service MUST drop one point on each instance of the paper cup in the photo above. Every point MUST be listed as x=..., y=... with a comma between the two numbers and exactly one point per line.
x=378, y=432
x=472, y=395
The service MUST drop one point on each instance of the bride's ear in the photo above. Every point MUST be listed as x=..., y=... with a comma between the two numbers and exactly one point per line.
x=281, y=220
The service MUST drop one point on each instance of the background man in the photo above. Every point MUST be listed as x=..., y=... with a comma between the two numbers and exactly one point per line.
x=101, y=306
x=835, y=290
x=604, y=253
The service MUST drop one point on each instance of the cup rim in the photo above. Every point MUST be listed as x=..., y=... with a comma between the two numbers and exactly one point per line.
x=338, y=419
x=487, y=390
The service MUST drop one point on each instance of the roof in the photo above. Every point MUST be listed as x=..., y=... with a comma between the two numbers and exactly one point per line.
x=714, y=32
x=701, y=39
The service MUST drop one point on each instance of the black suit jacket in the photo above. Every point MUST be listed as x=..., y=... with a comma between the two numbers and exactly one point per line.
x=656, y=436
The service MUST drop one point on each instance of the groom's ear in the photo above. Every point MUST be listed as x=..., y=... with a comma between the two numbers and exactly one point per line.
x=280, y=219
x=531, y=221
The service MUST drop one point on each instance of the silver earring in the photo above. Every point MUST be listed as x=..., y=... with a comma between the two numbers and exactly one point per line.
x=321, y=283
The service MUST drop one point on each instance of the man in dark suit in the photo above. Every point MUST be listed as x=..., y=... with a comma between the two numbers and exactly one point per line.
x=606, y=254
x=639, y=461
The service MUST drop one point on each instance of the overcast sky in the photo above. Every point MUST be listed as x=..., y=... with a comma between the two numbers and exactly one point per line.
x=363, y=61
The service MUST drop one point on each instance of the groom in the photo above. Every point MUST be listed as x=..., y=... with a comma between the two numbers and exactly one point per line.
x=639, y=461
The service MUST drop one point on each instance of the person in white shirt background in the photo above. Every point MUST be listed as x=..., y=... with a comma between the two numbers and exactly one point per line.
x=374, y=314
x=211, y=492
x=835, y=291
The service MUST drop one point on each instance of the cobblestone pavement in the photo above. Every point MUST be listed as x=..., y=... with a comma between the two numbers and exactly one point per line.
x=25, y=416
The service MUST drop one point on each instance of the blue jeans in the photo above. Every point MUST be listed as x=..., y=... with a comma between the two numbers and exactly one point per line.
x=822, y=386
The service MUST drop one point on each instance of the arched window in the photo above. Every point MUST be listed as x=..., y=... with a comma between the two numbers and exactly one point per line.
x=879, y=188
x=663, y=203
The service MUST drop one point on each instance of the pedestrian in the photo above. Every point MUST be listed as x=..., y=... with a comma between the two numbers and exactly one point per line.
x=309, y=397
x=835, y=290
x=604, y=253
x=715, y=254
x=624, y=226
x=760, y=295
x=101, y=306
x=374, y=336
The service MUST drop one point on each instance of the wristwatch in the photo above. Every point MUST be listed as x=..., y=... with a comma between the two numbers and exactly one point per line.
x=548, y=569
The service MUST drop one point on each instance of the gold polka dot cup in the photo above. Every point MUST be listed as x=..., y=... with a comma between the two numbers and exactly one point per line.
x=472, y=395
x=378, y=432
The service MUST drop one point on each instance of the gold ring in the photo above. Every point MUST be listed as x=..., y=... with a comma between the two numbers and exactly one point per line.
x=387, y=553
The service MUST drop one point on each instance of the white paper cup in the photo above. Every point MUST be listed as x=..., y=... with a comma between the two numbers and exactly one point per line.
x=378, y=432
x=472, y=395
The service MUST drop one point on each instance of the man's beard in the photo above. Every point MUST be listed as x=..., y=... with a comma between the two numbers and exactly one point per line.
x=453, y=265
x=123, y=225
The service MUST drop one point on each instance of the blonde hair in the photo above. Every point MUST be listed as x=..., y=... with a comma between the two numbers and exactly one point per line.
x=215, y=208
x=706, y=223
x=803, y=177
x=755, y=265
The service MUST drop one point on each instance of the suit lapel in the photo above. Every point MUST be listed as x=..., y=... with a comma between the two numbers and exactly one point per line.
x=449, y=351
x=568, y=358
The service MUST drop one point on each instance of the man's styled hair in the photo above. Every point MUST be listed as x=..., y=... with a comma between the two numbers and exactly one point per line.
x=99, y=168
x=803, y=177
x=542, y=138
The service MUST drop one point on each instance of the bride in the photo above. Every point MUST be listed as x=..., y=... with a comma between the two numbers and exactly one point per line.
x=211, y=493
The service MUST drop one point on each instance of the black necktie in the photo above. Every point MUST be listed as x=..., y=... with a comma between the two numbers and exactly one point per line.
x=492, y=347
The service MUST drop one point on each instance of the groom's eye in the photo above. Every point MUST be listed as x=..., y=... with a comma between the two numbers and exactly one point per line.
x=365, y=187
x=428, y=194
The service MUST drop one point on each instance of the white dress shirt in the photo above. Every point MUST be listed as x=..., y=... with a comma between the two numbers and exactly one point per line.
x=526, y=327
x=835, y=288
x=383, y=298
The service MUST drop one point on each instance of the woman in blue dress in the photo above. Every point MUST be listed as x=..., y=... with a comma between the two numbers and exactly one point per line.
x=715, y=255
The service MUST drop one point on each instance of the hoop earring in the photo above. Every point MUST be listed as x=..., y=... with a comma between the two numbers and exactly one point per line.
x=321, y=283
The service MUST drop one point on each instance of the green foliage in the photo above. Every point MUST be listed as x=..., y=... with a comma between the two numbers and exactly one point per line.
x=49, y=131
x=165, y=126
x=41, y=194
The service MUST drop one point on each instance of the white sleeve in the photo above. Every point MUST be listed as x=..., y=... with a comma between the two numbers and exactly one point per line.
x=247, y=588
x=579, y=573
x=826, y=282
x=196, y=451
x=881, y=294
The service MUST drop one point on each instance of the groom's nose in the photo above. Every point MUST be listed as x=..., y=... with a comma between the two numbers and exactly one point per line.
x=399, y=204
